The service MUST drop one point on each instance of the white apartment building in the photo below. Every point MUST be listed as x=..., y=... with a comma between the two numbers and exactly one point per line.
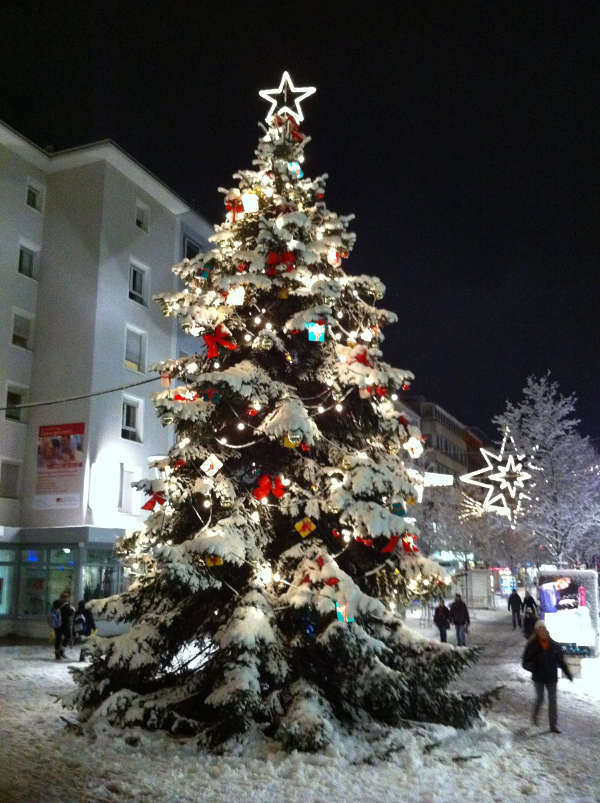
x=86, y=237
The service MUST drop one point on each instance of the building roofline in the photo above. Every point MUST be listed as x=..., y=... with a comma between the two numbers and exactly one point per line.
x=103, y=150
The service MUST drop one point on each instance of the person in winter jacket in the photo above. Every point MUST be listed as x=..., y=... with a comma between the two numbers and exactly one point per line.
x=67, y=612
x=459, y=616
x=83, y=623
x=529, y=603
x=515, y=605
x=55, y=622
x=441, y=618
x=542, y=657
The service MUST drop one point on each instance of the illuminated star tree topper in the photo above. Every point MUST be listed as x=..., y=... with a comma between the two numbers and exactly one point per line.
x=507, y=479
x=279, y=97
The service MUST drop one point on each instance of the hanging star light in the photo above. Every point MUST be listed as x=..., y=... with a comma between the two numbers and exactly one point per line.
x=286, y=85
x=504, y=478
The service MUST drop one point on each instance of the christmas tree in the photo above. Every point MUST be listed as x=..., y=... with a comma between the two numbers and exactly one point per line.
x=282, y=532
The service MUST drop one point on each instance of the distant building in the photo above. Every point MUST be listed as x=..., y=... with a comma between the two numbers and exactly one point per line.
x=87, y=236
x=450, y=446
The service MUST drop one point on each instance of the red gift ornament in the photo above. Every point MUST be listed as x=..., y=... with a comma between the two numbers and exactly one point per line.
x=336, y=533
x=391, y=544
x=188, y=396
x=218, y=339
x=320, y=561
x=155, y=499
x=251, y=411
x=264, y=487
x=408, y=542
x=242, y=267
x=332, y=581
x=403, y=420
x=305, y=447
x=406, y=386
x=381, y=391
x=364, y=541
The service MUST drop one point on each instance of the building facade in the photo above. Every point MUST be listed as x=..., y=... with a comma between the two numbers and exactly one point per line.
x=450, y=446
x=86, y=237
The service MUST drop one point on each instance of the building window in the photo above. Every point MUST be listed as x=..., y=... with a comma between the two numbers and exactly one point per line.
x=9, y=480
x=130, y=499
x=34, y=197
x=27, y=262
x=7, y=580
x=190, y=247
x=22, y=331
x=137, y=284
x=103, y=575
x=130, y=424
x=14, y=397
x=142, y=216
x=134, y=350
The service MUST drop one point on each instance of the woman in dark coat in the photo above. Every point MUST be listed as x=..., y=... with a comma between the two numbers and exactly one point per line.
x=542, y=657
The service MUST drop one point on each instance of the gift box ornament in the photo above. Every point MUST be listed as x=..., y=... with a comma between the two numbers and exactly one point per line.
x=235, y=296
x=408, y=542
x=316, y=331
x=295, y=169
x=211, y=465
x=341, y=611
x=305, y=526
x=398, y=509
x=213, y=560
x=204, y=271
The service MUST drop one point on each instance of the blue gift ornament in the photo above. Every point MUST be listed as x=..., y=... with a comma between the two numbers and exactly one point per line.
x=316, y=331
x=294, y=167
x=398, y=509
x=206, y=269
x=341, y=613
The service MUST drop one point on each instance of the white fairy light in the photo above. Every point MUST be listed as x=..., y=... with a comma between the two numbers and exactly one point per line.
x=247, y=337
x=206, y=503
x=223, y=441
x=191, y=367
x=340, y=314
x=269, y=326
x=320, y=409
x=286, y=85
x=257, y=319
x=347, y=535
x=264, y=501
x=241, y=426
x=339, y=407
x=255, y=517
x=217, y=365
x=276, y=577
x=184, y=442
x=265, y=574
x=394, y=397
x=256, y=406
x=285, y=481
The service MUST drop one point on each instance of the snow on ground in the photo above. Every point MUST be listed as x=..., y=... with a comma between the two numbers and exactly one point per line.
x=42, y=760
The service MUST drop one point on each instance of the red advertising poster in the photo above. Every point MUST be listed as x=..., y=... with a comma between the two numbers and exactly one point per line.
x=60, y=460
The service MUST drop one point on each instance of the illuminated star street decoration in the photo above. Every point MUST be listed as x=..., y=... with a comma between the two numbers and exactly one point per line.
x=286, y=85
x=507, y=479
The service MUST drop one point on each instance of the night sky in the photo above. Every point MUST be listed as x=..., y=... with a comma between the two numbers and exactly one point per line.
x=465, y=141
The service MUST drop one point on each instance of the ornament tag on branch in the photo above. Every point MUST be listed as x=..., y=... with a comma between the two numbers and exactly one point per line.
x=211, y=465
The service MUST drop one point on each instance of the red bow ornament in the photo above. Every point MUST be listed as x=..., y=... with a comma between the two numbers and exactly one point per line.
x=391, y=544
x=264, y=487
x=295, y=132
x=218, y=339
x=155, y=499
x=361, y=355
x=286, y=258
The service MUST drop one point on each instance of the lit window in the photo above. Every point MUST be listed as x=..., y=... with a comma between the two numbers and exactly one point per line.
x=134, y=350
x=9, y=480
x=137, y=284
x=27, y=262
x=34, y=197
x=21, y=334
x=130, y=421
x=130, y=499
x=190, y=248
x=14, y=397
x=142, y=216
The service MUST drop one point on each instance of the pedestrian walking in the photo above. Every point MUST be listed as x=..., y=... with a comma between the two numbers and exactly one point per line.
x=441, y=618
x=542, y=657
x=55, y=622
x=515, y=605
x=459, y=616
x=83, y=627
x=67, y=612
x=529, y=603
